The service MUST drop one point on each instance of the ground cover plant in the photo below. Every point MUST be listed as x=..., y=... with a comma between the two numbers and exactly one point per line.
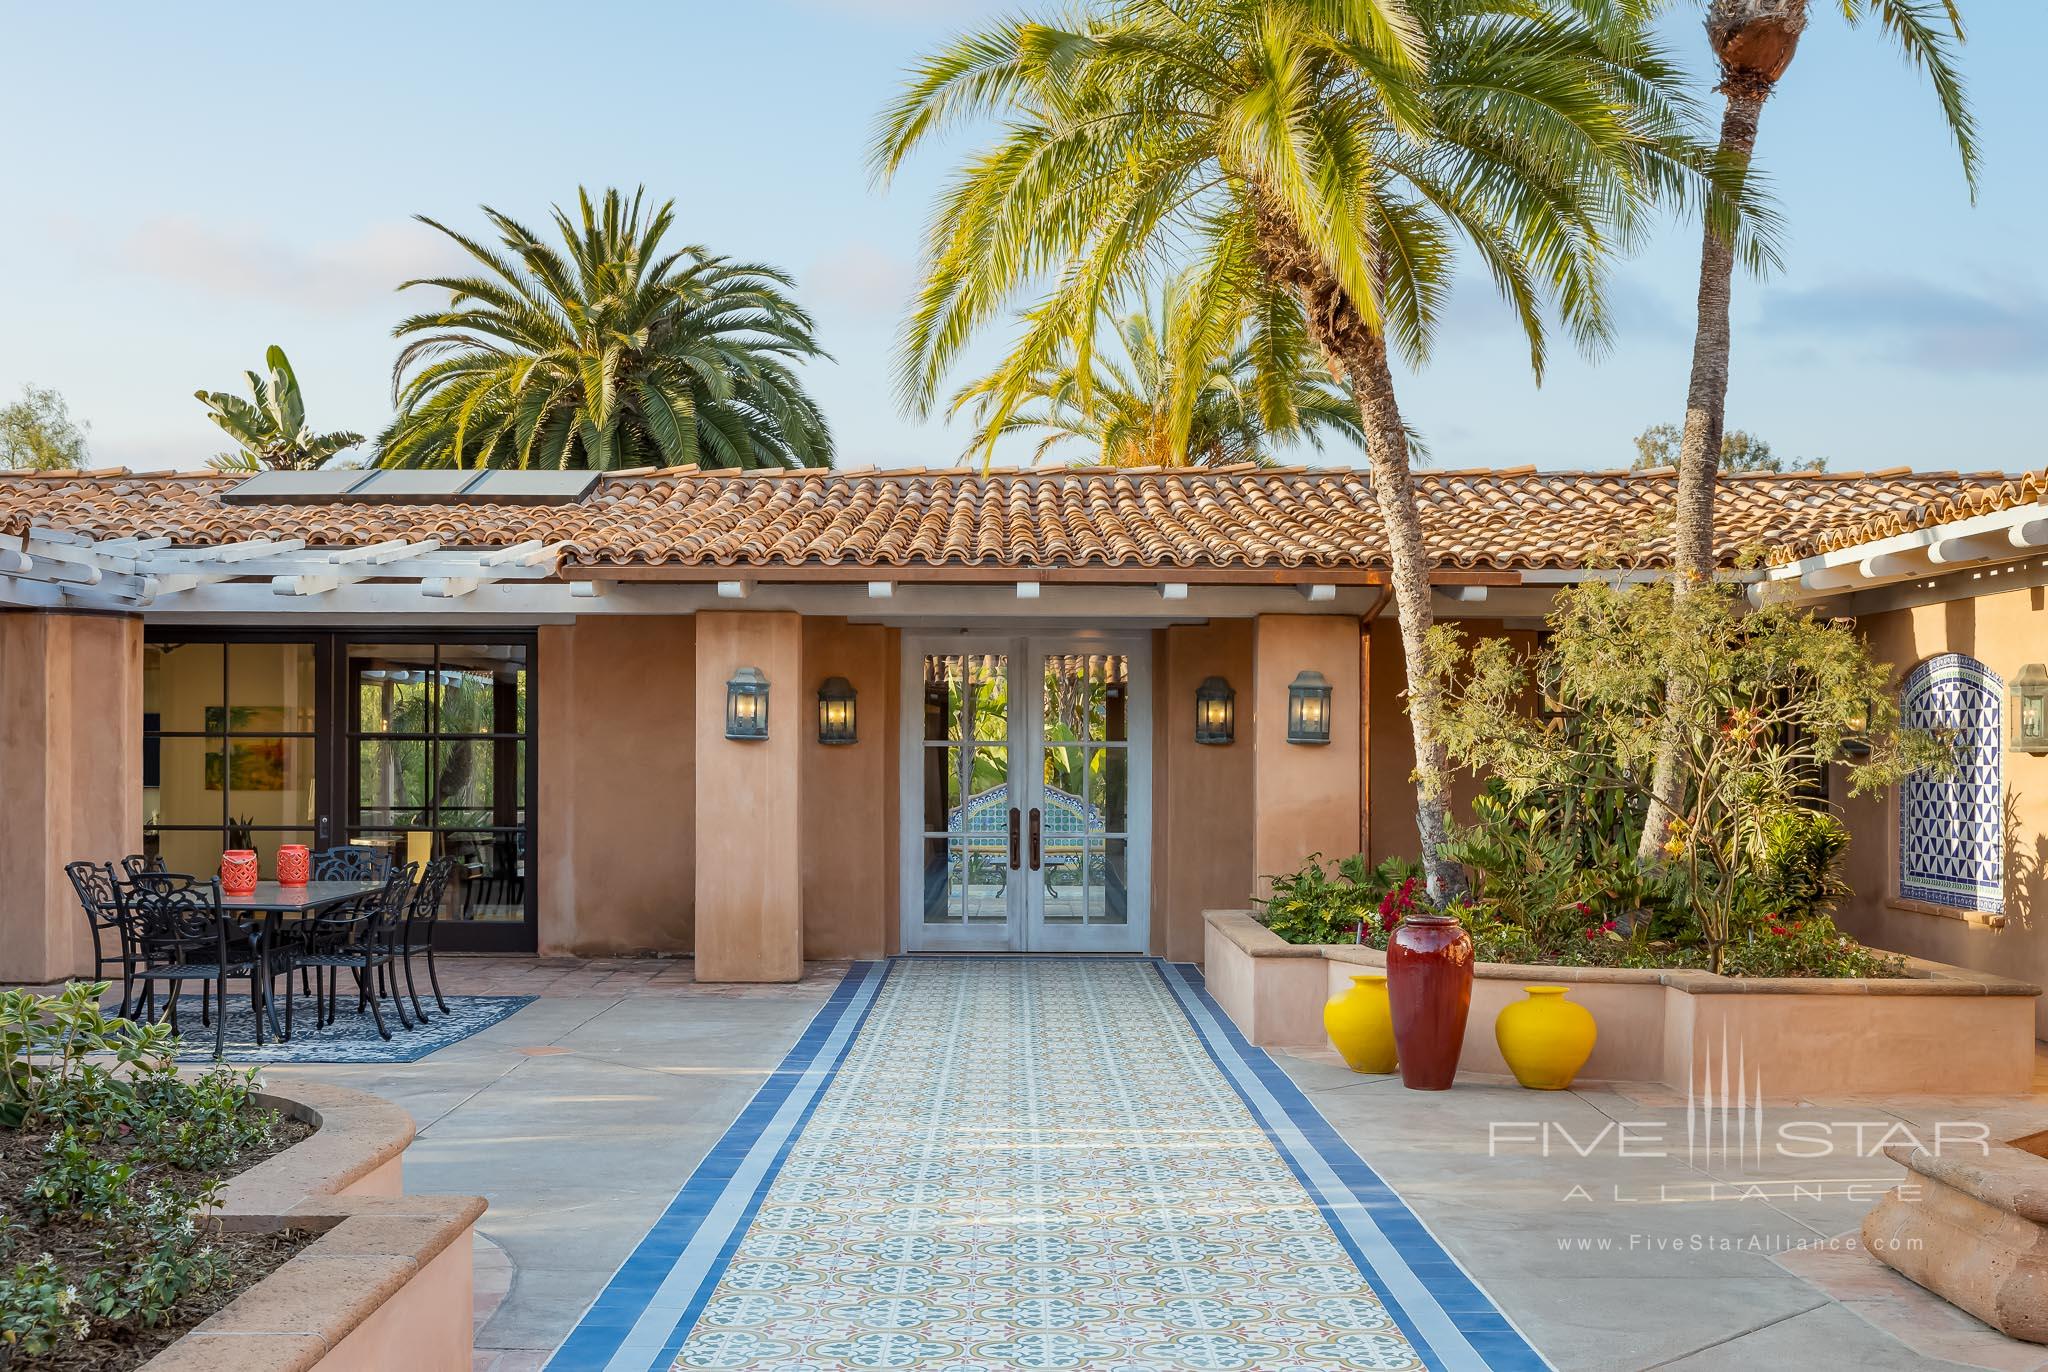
x=110, y=1165
x=1779, y=712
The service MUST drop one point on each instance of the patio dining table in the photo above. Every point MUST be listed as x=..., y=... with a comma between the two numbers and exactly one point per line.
x=273, y=899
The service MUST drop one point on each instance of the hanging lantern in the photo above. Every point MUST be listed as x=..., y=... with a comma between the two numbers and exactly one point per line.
x=1308, y=709
x=1215, y=711
x=746, y=704
x=835, y=711
x=2030, y=710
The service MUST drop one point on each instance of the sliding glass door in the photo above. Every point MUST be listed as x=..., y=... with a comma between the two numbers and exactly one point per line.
x=420, y=744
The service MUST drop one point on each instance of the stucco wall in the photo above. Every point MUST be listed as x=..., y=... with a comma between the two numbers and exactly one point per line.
x=71, y=762
x=1201, y=800
x=1393, y=743
x=1305, y=797
x=750, y=801
x=617, y=793
x=2004, y=631
x=849, y=793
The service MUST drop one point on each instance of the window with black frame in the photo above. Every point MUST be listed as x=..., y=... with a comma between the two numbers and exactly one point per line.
x=437, y=738
x=229, y=754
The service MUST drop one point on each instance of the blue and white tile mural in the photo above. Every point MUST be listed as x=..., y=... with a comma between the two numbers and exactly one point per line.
x=1952, y=832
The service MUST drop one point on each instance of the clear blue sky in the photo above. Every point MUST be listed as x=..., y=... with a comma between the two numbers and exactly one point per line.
x=185, y=185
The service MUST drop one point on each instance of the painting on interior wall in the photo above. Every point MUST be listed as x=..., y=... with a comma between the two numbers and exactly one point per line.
x=252, y=719
x=1952, y=830
x=255, y=764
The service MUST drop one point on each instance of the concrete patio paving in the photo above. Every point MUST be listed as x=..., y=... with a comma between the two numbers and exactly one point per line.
x=581, y=1116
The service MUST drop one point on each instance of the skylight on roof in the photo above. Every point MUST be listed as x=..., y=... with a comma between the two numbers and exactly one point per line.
x=411, y=487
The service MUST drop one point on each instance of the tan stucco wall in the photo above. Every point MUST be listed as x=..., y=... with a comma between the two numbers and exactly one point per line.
x=750, y=801
x=2004, y=631
x=1305, y=797
x=617, y=842
x=849, y=793
x=1201, y=798
x=1392, y=764
x=71, y=762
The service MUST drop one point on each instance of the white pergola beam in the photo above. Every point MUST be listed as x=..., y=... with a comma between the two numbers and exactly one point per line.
x=1318, y=591
x=1027, y=590
x=734, y=590
x=1173, y=590
x=881, y=590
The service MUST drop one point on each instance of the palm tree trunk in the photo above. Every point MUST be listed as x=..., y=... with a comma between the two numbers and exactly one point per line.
x=1359, y=351
x=1699, y=450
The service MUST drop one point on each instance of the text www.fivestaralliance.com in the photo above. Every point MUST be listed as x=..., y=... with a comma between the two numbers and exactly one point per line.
x=1702, y=1243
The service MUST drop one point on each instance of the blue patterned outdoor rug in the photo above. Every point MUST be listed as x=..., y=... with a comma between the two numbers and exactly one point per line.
x=351, y=1038
x=1036, y=1163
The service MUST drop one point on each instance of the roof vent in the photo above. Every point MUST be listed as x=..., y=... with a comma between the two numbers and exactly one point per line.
x=409, y=486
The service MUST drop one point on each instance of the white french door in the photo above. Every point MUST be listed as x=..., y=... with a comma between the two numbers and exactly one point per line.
x=1026, y=793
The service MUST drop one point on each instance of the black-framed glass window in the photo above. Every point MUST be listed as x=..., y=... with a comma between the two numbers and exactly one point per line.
x=418, y=741
x=437, y=747
x=230, y=753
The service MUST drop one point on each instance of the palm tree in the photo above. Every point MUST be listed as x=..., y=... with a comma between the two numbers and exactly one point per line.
x=611, y=353
x=1179, y=396
x=1324, y=154
x=270, y=428
x=1754, y=42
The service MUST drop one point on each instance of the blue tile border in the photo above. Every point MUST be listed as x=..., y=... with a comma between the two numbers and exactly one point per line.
x=637, y=1321
x=1448, y=1318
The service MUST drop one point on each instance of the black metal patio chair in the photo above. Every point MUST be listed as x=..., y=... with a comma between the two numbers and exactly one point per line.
x=359, y=937
x=135, y=864
x=416, y=935
x=106, y=912
x=351, y=862
x=184, y=935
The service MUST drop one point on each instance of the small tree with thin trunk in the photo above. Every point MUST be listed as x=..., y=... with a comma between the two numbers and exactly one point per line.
x=1754, y=42
x=1324, y=157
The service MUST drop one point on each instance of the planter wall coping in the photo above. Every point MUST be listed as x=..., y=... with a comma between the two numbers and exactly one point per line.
x=2007, y=1177
x=1923, y=978
x=370, y=1246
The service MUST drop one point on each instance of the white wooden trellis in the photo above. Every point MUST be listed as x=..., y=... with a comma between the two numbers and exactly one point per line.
x=51, y=568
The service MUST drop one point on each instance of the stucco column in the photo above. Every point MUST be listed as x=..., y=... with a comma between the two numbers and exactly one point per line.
x=71, y=769
x=1305, y=797
x=750, y=802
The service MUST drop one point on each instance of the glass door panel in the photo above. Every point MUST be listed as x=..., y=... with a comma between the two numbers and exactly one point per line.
x=1080, y=897
x=965, y=750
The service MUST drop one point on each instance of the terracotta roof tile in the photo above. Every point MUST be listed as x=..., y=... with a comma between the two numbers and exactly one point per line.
x=1973, y=498
x=1195, y=518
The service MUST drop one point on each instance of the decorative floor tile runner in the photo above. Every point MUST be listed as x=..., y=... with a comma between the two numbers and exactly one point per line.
x=1036, y=1163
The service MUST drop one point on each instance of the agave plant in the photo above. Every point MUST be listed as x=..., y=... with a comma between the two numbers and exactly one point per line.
x=1182, y=394
x=271, y=428
x=609, y=353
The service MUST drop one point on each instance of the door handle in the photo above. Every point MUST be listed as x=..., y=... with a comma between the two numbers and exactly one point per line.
x=1034, y=839
x=1016, y=858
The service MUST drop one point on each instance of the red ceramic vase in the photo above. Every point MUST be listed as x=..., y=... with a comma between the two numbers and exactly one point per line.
x=294, y=864
x=1429, y=983
x=237, y=872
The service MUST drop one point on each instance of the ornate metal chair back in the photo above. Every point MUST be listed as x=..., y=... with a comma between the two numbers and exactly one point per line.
x=351, y=862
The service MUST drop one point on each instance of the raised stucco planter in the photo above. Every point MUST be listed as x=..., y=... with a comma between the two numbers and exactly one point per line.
x=1943, y=1030
x=1972, y=1228
x=388, y=1282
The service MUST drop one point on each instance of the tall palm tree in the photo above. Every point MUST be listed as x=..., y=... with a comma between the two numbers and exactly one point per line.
x=270, y=428
x=609, y=353
x=1180, y=395
x=1754, y=42
x=1325, y=152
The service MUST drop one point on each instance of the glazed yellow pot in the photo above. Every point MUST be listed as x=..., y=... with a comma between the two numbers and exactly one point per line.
x=1546, y=1038
x=1361, y=1025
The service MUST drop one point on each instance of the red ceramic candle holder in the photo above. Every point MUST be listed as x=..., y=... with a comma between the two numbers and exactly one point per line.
x=294, y=864
x=237, y=872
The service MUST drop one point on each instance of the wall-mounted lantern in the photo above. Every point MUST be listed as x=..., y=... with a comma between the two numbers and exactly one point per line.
x=1215, y=711
x=746, y=704
x=835, y=711
x=2030, y=710
x=1308, y=708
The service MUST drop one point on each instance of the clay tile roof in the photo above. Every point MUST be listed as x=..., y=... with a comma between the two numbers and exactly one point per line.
x=1970, y=499
x=1040, y=518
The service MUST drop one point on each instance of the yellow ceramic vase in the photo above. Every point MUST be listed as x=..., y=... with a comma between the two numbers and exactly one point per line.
x=1546, y=1038
x=1361, y=1025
